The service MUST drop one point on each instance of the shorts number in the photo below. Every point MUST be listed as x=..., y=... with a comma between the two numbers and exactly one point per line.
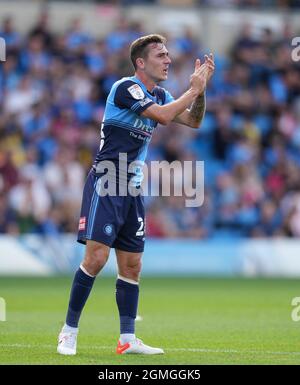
x=140, y=231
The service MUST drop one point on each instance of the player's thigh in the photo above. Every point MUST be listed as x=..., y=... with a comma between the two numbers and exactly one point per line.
x=131, y=237
x=101, y=216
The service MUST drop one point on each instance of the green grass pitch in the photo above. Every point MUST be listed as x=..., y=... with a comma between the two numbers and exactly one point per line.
x=196, y=321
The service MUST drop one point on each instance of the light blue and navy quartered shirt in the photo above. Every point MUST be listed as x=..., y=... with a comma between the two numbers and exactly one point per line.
x=124, y=130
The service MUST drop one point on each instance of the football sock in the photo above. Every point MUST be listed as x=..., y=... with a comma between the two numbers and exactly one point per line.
x=81, y=288
x=69, y=329
x=126, y=337
x=127, y=295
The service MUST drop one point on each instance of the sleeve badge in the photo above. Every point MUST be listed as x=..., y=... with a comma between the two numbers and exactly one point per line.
x=136, y=92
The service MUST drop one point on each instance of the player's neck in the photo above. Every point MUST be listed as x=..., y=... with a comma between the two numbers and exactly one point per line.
x=149, y=83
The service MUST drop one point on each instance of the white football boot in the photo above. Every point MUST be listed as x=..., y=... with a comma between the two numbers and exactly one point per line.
x=67, y=343
x=137, y=347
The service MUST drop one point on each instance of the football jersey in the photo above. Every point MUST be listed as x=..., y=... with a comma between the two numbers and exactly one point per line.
x=125, y=131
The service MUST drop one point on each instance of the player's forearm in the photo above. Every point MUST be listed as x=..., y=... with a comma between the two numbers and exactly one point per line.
x=197, y=111
x=169, y=111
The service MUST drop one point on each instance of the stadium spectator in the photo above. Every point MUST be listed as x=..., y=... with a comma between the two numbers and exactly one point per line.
x=52, y=93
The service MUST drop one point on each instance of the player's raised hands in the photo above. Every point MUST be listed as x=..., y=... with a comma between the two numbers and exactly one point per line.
x=199, y=77
x=197, y=64
x=210, y=64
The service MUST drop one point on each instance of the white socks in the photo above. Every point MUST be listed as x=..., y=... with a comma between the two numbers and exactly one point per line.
x=126, y=337
x=69, y=329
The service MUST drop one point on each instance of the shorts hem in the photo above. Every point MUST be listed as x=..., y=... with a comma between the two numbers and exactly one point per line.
x=129, y=250
x=83, y=240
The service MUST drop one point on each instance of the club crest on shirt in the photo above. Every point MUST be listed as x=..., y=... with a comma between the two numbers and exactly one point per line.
x=136, y=92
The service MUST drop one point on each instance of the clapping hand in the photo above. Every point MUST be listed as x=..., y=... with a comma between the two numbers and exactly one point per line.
x=202, y=73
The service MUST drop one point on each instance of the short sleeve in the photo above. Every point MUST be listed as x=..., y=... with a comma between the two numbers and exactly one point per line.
x=168, y=97
x=131, y=96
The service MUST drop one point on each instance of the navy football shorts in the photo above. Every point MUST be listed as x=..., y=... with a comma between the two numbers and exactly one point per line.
x=116, y=221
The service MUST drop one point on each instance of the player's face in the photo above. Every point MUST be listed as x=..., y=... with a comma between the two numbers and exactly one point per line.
x=157, y=62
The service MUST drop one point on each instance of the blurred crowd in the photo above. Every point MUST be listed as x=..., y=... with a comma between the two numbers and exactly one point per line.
x=242, y=4
x=52, y=98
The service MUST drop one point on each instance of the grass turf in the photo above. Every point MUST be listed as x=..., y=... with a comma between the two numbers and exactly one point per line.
x=195, y=320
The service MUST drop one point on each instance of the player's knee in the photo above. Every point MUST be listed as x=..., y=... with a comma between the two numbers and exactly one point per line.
x=132, y=271
x=95, y=260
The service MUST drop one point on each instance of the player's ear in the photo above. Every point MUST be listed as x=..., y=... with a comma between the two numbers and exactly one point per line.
x=140, y=63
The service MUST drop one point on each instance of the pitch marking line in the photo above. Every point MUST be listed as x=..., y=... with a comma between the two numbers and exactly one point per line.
x=196, y=350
